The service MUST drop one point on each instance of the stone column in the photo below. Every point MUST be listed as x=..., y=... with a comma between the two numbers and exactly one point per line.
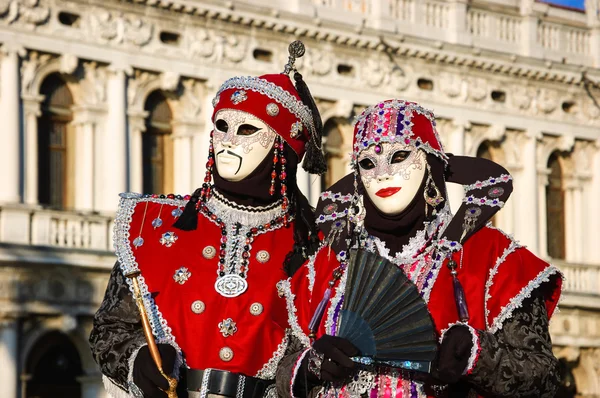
x=115, y=140
x=31, y=108
x=593, y=219
x=8, y=357
x=456, y=146
x=136, y=128
x=183, y=135
x=84, y=159
x=10, y=150
x=573, y=214
x=542, y=181
x=529, y=26
x=458, y=22
x=525, y=184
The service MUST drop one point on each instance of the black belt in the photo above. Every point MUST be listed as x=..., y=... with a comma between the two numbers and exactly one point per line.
x=222, y=382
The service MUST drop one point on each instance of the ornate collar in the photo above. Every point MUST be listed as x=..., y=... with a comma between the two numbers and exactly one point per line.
x=231, y=212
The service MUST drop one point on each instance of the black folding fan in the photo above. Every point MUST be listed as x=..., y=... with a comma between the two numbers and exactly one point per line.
x=384, y=315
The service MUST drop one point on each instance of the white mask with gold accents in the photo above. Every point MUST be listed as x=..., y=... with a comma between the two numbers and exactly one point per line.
x=391, y=174
x=241, y=142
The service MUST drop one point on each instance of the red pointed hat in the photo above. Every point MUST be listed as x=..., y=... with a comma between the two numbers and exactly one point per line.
x=274, y=100
x=397, y=121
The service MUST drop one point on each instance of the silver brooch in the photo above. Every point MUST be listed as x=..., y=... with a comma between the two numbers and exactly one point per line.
x=209, y=252
x=280, y=289
x=227, y=327
x=238, y=96
x=256, y=309
x=215, y=101
x=168, y=238
x=226, y=354
x=263, y=256
x=198, y=307
x=296, y=129
x=272, y=109
x=182, y=275
x=330, y=208
x=495, y=192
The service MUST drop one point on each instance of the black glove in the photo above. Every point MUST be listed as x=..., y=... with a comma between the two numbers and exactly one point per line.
x=329, y=359
x=146, y=375
x=453, y=356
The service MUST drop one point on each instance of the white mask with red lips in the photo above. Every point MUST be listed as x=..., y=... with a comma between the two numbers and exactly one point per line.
x=391, y=174
x=241, y=142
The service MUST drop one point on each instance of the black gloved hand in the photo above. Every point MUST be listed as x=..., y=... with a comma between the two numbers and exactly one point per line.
x=334, y=354
x=146, y=375
x=453, y=356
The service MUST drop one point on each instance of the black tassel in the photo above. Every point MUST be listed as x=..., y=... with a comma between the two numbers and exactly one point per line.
x=188, y=220
x=314, y=160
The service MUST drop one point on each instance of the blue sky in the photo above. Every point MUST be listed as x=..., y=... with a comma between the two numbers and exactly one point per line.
x=569, y=3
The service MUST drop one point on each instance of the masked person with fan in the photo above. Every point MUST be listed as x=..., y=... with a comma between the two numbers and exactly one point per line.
x=404, y=299
x=207, y=265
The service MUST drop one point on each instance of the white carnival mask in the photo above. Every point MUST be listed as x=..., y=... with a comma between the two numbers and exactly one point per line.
x=391, y=174
x=241, y=142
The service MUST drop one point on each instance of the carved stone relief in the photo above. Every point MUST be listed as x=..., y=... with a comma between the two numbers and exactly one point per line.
x=119, y=28
x=30, y=13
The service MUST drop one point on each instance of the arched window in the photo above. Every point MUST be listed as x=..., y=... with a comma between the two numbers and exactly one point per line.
x=55, y=139
x=52, y=368
x=333, y=141
x=555, y=209
x=156, y=145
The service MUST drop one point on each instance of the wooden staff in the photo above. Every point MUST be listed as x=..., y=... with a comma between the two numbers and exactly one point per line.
x=137, y=295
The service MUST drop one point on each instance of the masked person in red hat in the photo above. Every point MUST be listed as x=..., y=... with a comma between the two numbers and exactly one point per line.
x=209, y=263
x=488, y=299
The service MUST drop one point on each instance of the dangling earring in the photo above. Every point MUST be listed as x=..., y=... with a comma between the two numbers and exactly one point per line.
x=283, y=181
x=205, y=192
x=275, y=160
x=432, y=194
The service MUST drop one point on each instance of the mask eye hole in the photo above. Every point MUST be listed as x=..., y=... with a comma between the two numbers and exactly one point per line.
x=221, y=125
x=366, y=164
x=399, y=156
x=247, y=129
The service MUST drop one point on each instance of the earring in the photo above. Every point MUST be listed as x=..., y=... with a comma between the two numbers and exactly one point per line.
x=283, y=181
x=205, y=192
x=275, y=160
x=432, y=194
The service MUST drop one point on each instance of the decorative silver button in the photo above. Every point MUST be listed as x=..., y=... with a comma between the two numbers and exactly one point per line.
x=198, y=307
x=263, y=256
x=209, y=252
x=226, y=354
x=182, y=275
x=256, y=309
x=296, y=129
x=272, y=109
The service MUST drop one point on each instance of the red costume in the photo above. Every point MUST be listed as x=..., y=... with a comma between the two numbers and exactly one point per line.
x=209, y=263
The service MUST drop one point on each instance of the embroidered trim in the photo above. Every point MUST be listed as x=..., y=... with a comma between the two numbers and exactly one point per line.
x=332, y=311
x=310, y=265
x=517, y=301
x=331, y=217
x=493, y=271
x=483, y=201
x=507, y=236
x=267, y=372
x=128, y=263
x=286, y=287
x=273, y=91
x=296, y=369
x=475, y=347
x=489, y=182
x=336, y=197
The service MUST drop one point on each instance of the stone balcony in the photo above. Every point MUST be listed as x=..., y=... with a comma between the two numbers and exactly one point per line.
x=516, y=27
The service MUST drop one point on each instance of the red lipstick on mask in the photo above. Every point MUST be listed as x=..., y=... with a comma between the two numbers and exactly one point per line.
x=387, y=192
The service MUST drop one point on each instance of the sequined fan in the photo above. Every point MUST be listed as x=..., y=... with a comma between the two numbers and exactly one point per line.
x=384, y=315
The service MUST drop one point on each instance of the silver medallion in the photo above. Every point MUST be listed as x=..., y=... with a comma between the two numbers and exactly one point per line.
x=231, y=285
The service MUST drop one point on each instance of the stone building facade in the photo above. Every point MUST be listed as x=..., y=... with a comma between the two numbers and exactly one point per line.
x=99, y=97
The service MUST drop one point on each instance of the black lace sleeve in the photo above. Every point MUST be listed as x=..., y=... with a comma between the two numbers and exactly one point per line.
x=517, y=361
x=117, y=330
